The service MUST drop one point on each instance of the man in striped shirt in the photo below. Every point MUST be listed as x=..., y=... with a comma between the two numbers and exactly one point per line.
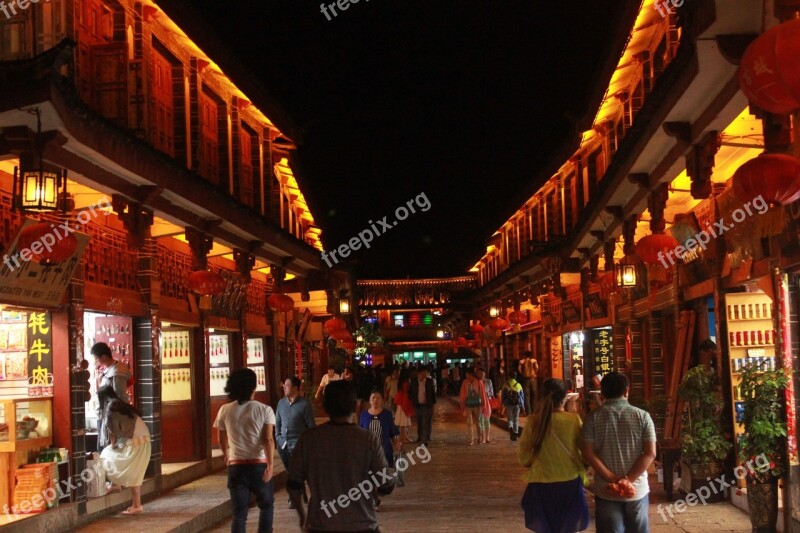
x=619, y=442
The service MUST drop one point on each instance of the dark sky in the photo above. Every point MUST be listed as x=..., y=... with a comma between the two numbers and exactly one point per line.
x=464, y=101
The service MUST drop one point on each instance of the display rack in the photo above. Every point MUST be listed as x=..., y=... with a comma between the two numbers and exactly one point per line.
x=219, y=362
x=255, y=361
x=176, y=374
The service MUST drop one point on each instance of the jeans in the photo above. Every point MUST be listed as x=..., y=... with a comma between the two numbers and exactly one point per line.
x=622, y=517
x=513, y=417
x=242, y=480
x=424, y=422
x=286, y=456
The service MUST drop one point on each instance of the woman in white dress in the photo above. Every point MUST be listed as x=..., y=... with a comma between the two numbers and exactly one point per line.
x=128, y=455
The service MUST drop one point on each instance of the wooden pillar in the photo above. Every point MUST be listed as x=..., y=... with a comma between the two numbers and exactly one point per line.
x=77, y=383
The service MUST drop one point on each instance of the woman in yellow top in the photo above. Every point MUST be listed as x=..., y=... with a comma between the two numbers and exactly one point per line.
x=554, y=501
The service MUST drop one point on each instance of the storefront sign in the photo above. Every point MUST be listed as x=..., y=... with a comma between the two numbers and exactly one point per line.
x=596, y=307
x=569, y=312
x=556, y=369
x=30, y=284
x=603, y=351
x=40, y=349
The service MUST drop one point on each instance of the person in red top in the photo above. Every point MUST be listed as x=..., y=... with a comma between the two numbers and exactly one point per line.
x=405, y=409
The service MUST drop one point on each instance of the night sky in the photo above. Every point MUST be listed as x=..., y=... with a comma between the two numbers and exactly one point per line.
x=465, y=101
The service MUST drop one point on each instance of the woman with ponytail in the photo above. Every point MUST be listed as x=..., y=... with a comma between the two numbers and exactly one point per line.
x=554, y=501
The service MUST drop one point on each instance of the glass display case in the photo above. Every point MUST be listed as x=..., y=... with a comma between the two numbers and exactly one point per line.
x=25, y=421
x=255, y=361
x=176, y=373
x=219, y=362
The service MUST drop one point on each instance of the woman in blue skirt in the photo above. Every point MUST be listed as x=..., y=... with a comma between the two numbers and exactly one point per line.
x=554, y=501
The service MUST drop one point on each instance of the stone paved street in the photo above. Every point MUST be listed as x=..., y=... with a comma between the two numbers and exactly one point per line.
x=477, y=488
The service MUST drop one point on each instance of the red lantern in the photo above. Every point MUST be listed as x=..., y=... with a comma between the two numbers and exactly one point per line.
x=39, y=237
x=769, y=74
x=461, y=341
x=774, y=177
x=349, y=344
x=518, y=317
x=207, y=283
x=653, y=248
x=498, y=324
x=334, y=324
x=476, y=328
x=280, y=302
x=341, y=335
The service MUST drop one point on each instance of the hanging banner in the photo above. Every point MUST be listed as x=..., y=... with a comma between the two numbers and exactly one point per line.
x=556, y=368
x=786, y=358
x=40, y=350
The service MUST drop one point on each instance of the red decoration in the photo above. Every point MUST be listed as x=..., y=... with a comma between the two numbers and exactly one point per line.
x=41, y=235
x=334, y=324
x=650, y=246
x=341, y=335
x=378, y=350
x=769, y=74
x=518, y=317
x=207, y=283
x=349, y=344
x=774, y=177
x=476, y=328
x=280, y=302
x=461, y=341
x=498, y=324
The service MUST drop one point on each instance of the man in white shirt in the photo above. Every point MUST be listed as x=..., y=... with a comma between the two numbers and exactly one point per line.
x=245, y=429
x=327, y=378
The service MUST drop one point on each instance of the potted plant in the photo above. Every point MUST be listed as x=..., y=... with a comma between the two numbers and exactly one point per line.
x=703, y=442
x=764, y=440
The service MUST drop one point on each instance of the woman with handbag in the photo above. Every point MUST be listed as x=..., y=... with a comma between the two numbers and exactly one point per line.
x=472, y=399
x=554, y=501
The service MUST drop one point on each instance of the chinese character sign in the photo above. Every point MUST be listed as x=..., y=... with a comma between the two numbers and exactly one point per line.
x=603, y=351
x=40, y=347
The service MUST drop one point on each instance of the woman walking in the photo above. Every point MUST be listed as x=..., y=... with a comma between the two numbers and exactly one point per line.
x=473, y=399
x=554, y=501
x=485, y=414
x=512, y=400
x=405, y=409
x=128, y=455
x=378, y=421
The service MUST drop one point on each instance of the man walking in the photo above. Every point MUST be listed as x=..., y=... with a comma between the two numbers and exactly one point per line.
x=293, y=416
x=327, y=378
x=344, y=466
x=619, y=442
x=529, y=369
x=245, y=429
x=423, y=394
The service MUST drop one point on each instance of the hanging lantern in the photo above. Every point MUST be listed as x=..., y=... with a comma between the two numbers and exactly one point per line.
x=207, y=283
x=476, y=328
x=280, y=302
x=652, y=248
x=341, y=335
x=769, y=73
x=349, y=344
x=518, y=317
x=334, y=324
x=498, y=324
x=774, y=177
x=625, y=272
x=33, y=239
x=461, y=341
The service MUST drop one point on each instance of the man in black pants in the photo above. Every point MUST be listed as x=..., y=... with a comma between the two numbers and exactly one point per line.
x=528, y=370
x=423, y=394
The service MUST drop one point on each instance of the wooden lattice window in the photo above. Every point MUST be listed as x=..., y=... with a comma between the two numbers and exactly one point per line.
x=209, y=134
x=163, y=120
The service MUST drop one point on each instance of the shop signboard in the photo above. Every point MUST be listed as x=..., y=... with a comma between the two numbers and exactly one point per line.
x=687, y=227
x=30, y=284
x=40, y=349
x=603, y=349
x=596, y=307
x=556, y=369
x=569, y=312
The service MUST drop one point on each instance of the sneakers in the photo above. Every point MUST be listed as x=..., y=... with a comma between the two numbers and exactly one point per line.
x=513, y=435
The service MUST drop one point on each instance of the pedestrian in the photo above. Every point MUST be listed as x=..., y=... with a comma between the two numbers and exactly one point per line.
x=529, y=370
x=456, y=378
x=512, y=400
x=378, y=421
x=293, y=416
x=390, y=388
x=327, y=378
x=245, y=427
x=126, y=458
x=445, y=378
x=473, y=399
x=497, y=374
x=485, y=414
x=338, y=459
x=405, y=409
x=113, y=373
x=423, y=396
x=619, y=442
x=554, y=500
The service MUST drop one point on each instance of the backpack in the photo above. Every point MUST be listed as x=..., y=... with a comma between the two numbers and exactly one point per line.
x=511, y=398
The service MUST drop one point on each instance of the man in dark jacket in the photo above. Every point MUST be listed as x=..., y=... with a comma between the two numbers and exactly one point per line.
x=423, y=395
